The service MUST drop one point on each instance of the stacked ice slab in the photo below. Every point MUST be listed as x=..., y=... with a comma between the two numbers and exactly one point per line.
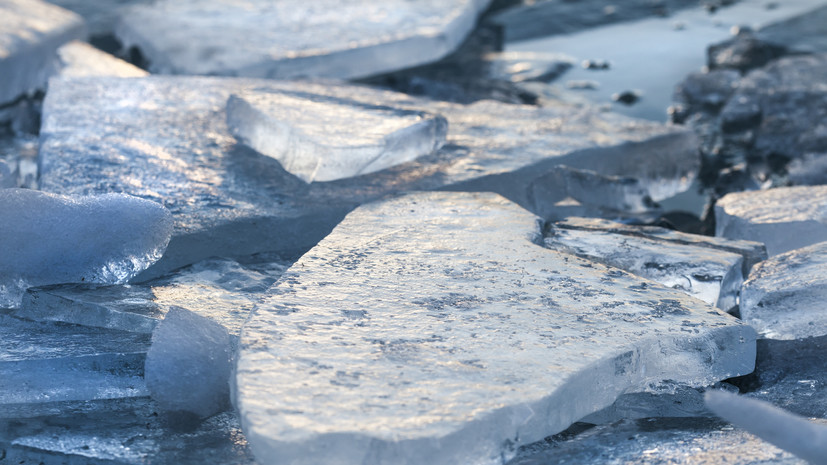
x=295, y=38
x=456, y=338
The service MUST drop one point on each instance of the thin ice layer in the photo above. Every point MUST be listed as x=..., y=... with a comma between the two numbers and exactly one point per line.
x=320, y=138
x=50, y=238
x=48, y=362
x=219, y=289
x=784, y=218
x=225, y=197
x=711, y=275
x=30, y=33
x=455, y=338
x=295, y=38
x=784, y=296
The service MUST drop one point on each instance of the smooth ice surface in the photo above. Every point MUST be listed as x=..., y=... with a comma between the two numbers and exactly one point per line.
x=711, y=275
x=78, y=59
x=295, y=38
x=48, y=362
x=795, y=434
x=319, y=138
x=219, y=289
x=225, y=197
x=30, y=32
x=49, y=238
x=188, y=365
x=455, y=338
x=784, y=218
x=784, y=296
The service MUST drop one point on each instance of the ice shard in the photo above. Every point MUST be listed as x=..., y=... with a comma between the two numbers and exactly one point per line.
x=81, y=59
x=784, y=218
x=49, y=362
x=320, y=138
x=226, y=197
x=30, y=33
x=219, y=289
x=784, y=296
x=714, y=276
x=51, y=238
x=293, y=38
x=511, y=343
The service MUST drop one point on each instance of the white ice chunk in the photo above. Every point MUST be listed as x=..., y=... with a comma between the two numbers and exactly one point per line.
x=321, y=138
x=30, y=32
x=432, y=329
x=49, y=238
x=294, y=38
x=783, y=218
x=785, y=295
x=81, y=59
x=188, y=365
x=803, y=438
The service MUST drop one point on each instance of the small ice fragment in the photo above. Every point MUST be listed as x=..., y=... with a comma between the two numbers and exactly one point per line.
x=189, y=363
x=783, y=429
x=324, y=138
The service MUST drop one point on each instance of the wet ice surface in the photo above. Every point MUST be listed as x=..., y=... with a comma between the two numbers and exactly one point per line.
x=783, y=218
x=784, y=296
x=288, y=39
x=319, y=138
x=30, y=32
x=224, y=196
x=392, y=365
x=51, y=238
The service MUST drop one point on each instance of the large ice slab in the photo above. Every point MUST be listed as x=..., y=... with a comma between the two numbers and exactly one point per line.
x=49, y=362
x=714, y=276
x=512, y=342
x=51, y=238
x=319, y=138
x=783, y=218
x=81, y=59
x=287, y=39
x=225, y=197
x=30, y=33
x=784, y=296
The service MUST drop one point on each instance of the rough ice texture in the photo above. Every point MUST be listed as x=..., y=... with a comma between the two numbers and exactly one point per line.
x=456, y=337
x=714, y=276
x=226, y=197
x=48, y=362
x=785, y=295
x=752, y=252
x=30, y=32
x=295, y=38
x=219, y=289
x=795, y=434
x=783, y=218
x=77, y=59
x=188, y=365
x=318, y=138
x=50, y=238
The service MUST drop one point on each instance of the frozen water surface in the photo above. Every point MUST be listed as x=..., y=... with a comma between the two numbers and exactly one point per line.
x=50, y=238
x=455, y=338
x=294, y=38
x=784, y=296
x=320, y=138
x=226, y=197
x=783, y=218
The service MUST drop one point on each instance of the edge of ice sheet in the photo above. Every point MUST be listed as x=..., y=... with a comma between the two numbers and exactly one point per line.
x=396, y=363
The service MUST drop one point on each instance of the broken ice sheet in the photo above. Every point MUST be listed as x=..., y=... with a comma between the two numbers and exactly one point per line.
x=295, y=38
x=784, y=296
x=226, y=197
x=49, y=362
x=81, y=59
x=784, y=218
x=219, y=289
x=394, y=365
x=321, y=138
x=50, y=238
